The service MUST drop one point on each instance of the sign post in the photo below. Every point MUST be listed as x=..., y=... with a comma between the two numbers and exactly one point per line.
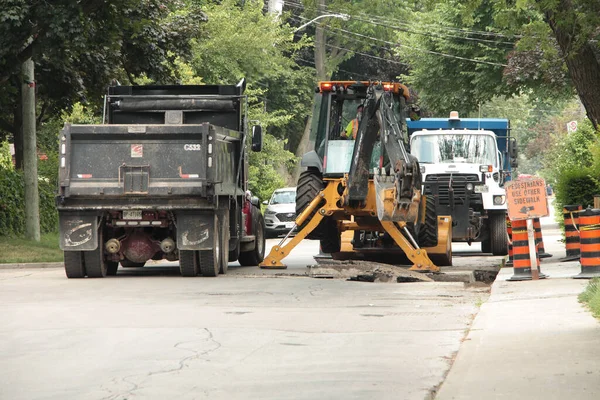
x=526, y=200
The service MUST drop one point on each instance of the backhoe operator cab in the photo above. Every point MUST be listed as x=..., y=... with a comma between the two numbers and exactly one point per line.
x=335, y=107
x=360, y=194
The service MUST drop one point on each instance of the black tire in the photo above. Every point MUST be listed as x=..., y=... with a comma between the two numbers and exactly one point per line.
x=210, y=263
x=130, y=264
x=310, y=184
x=257, y=255
x=74, y=266
x=332, y=242
x=498, y=235
x=188, y=263
x=428, y=231
x=111, y=268
x=224, y=245
x=486, y=245
x=95, y=265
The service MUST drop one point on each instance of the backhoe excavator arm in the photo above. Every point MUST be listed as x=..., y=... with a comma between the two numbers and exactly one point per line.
x=379, y=119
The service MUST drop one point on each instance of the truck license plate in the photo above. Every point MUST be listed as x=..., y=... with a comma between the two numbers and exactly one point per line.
x=132, y=214
x=481, y=189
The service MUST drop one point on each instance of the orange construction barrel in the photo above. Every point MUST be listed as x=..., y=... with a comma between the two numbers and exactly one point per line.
x=589, y=235
x=571, y=217
x=521, y=262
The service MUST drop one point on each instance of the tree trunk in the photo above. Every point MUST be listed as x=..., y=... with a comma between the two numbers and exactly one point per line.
x=582, y=63
x=30, y=176
x=18, y=130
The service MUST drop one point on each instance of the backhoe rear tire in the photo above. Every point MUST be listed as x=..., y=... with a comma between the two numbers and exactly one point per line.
x=309, y=186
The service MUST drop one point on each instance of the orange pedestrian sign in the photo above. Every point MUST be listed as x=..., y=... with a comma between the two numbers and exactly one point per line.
x=526, y=198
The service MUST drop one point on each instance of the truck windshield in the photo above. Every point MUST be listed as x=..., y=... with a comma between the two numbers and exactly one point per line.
x=455, y=148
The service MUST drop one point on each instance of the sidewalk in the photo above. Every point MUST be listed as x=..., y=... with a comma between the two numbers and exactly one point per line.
x=530, y=340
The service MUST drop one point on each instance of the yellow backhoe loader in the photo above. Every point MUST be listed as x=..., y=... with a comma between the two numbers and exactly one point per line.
x=360, y=194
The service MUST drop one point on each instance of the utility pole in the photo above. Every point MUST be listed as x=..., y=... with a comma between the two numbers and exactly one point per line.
x=30, y=175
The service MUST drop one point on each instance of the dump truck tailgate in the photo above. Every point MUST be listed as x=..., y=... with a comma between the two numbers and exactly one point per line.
x=145, y=160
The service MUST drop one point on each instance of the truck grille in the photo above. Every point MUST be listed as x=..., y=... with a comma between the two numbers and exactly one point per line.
x=286, y=217
x=458, y=184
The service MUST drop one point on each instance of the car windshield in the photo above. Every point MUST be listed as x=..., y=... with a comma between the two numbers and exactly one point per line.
x=284, y=197
x=459, y=148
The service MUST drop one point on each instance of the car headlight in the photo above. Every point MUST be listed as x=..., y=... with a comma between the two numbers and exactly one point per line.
x=470, y=187
x=270, y=213
x=499, y=200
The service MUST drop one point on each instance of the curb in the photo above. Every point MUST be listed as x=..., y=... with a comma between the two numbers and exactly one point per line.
x=32, y=265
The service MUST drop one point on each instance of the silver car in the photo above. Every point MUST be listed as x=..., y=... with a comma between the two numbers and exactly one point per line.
x=281, y=212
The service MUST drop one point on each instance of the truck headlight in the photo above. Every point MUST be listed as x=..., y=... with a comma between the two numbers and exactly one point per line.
x=422, y=169
x=469, y=187
x=499, y=199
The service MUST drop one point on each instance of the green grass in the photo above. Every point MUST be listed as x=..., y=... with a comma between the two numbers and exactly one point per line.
x=591, y=297
x=20, y=250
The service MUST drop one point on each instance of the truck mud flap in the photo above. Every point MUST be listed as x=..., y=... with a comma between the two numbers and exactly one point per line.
x=78, y=231
x=195, y=231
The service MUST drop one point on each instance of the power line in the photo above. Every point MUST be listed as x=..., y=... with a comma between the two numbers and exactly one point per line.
x=380, y=20
x=408, y=47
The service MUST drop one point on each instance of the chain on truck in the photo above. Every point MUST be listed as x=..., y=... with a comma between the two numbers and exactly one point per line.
x=164, y=178
x=465, y=163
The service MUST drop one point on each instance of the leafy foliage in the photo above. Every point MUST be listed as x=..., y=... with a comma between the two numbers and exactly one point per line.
x=12, y=195
x=574, y=167
x=265, y=167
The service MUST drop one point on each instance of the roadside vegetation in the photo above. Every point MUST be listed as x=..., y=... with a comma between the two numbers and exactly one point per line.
x=591, y=297
x=19, y=250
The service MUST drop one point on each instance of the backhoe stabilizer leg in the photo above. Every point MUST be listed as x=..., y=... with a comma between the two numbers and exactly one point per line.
x=419, y=257
x=279, y=252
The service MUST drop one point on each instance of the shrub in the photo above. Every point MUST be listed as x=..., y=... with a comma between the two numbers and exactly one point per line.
x=12, y=198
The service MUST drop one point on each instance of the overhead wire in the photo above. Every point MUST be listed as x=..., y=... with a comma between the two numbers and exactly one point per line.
x=386, y=22
x=409, y=47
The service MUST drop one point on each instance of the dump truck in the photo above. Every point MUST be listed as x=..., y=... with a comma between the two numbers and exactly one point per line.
x=465, y=163
x=360, y=194
x=163, y=178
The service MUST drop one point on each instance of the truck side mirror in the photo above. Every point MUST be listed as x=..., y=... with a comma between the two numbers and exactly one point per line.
x=513, y=152
x=256, y=138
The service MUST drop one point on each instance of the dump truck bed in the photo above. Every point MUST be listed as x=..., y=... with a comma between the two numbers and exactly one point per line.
x=115, y=161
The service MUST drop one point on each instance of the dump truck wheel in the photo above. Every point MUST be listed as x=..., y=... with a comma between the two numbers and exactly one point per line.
x=111, y=268
x=310, y=184
x=256, y=256
x=95, y=265
x=428, y=231
x=74, y=266
x=498, y=236
x=210, y=259
x=486, y=245
x=188, y=262
x=224, y=257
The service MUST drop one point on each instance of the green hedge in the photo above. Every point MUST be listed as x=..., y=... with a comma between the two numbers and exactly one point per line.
x=12, y=195
x=577, y=186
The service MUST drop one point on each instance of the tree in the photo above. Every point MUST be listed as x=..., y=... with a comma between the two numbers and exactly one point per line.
x=79, y=47
x=549, y=47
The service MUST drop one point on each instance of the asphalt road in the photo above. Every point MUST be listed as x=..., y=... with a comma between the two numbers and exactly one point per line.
x=154, y=335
